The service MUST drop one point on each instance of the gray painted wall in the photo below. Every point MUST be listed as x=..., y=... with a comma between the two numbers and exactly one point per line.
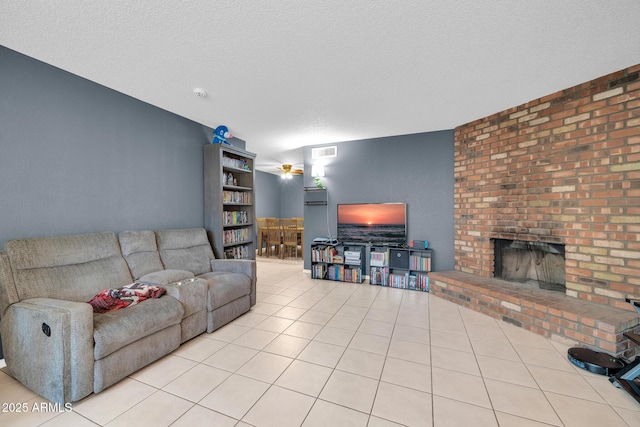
x=416, y=169
x=77, y=157
x=278, y=198
x=292, y=197
x=268, y=198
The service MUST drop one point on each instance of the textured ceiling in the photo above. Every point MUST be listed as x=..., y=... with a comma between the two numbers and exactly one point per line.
x=285, y=74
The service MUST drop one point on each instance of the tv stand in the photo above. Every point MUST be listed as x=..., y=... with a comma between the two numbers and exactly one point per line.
x=400, y=267
x=340, y=262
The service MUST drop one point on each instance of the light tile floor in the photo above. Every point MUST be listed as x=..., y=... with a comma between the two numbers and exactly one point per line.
x=321, y=353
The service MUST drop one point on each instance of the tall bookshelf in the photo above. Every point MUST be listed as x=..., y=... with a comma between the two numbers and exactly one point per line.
x=229, y=201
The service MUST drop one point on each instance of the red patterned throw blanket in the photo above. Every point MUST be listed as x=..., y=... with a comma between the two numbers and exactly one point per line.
x=115, y=299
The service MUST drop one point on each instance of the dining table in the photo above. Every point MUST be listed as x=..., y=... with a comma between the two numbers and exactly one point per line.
x=263, y=234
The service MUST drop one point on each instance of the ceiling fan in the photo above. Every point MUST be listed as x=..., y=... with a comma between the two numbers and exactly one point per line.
x=288, y=171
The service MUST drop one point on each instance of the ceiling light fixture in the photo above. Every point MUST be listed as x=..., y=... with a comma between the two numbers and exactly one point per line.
x=288, y=171
x=199, y=92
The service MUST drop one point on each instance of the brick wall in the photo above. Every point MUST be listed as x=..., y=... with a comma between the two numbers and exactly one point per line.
x=565, y=169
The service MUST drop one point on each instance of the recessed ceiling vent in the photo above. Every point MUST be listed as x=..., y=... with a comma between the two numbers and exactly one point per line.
x=324, y=152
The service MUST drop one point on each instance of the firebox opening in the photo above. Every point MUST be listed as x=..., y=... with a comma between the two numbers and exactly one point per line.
x=534, y=264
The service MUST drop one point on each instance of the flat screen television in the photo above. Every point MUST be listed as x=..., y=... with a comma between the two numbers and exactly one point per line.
x=376, y=223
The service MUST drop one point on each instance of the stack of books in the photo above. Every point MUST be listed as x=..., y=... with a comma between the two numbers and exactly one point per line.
x=417, y=262
x=378, y=259
x=352, y=257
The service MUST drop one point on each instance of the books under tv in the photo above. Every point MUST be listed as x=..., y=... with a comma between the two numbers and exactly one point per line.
x=417, y=262
x=352, y=257
x=378, y=259
x=419, y=282
x=379, y=276
x=325, y=254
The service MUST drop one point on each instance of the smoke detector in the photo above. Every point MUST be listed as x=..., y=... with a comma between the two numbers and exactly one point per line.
x=199, y=92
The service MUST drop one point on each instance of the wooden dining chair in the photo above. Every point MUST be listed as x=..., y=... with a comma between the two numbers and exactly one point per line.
x=290, y=237
x=263, y=236
x=300, y=222
x=274, y=236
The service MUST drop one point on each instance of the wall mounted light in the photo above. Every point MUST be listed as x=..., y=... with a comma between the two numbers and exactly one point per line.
x=317, y=170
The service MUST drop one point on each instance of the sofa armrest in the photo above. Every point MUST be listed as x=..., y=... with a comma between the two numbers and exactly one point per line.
x=48, y=347
x=192, y=293
x=244, y=266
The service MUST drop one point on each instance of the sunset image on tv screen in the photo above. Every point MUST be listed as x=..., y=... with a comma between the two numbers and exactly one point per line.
x=383, y=223
x=372, y=214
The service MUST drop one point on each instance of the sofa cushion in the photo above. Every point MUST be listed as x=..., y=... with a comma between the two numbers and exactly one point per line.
x=140, y=250
x=185, y=249
x=116, y=329
x=225, y=287
x=72, y=268
x=164, y=277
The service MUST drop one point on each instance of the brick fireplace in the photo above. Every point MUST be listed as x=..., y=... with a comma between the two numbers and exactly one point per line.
x=533, y=264
x=563, y=169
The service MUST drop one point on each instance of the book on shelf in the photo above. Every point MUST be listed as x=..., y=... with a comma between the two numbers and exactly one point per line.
x=412, y=282
x=417, y=262
x=237, y=235
x=324, y=254
x=398, y=280
x=419, y=281
x=352, y=254
x=238, y=163
x=235, y=217
x=238, y=252
x=318, y=271
x=335, y=272
x=241, y=197
x=378, y=259
x=378, y=275
x=349, y=260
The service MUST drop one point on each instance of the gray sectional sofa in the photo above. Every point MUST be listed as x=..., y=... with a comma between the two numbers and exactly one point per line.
x=55, y=344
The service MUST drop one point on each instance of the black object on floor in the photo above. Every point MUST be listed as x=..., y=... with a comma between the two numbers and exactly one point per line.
x=595, y=361
x=629, y=378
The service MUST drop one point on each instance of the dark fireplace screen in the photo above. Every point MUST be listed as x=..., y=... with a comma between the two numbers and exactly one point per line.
x=535, y=264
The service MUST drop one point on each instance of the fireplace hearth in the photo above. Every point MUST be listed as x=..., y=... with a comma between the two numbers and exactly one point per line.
x=534, y=265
